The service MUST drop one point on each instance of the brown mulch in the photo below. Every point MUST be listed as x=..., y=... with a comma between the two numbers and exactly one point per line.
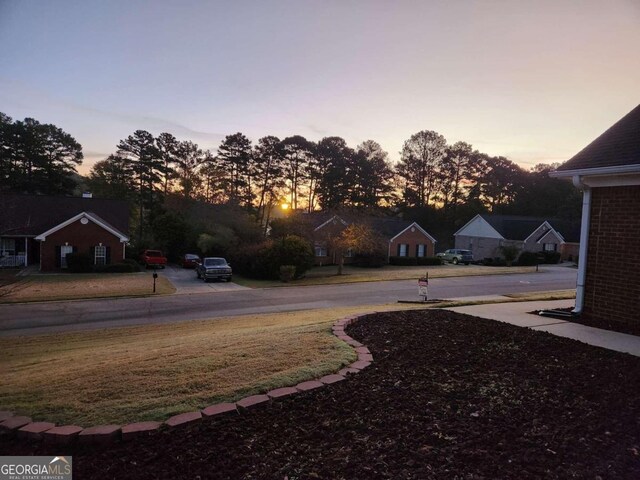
x=448, y=397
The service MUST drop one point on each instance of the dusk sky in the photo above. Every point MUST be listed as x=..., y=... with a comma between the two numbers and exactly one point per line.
x=534, y=81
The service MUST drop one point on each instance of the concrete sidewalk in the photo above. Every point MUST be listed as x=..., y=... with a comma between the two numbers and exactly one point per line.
x=515, y=313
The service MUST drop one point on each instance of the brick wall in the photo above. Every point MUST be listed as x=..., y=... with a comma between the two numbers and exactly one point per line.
x=612, y=289
x=83, y=237
x=412, y=239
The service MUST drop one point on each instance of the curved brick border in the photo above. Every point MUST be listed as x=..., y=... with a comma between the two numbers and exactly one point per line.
x=25, y=427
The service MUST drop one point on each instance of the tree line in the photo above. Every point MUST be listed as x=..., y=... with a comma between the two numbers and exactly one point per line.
x=434, y=181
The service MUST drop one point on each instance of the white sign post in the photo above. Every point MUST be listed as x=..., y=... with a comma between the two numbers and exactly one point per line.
x=423, y=287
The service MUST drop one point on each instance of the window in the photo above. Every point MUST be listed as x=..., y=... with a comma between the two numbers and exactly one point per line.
x=100, y=257
x=549, y=247
x=64, y=250
x=420, y=249
x=403, y=249
x=321, y=251
x=348, y=253
x=7, y=247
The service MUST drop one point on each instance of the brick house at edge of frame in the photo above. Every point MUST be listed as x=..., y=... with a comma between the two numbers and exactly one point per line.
x=608, y=173
x=41, y=230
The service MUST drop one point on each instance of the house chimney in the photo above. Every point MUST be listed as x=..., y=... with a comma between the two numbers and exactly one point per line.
x=87, y=195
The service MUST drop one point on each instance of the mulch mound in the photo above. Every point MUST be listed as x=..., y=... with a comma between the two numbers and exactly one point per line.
x=448, y=396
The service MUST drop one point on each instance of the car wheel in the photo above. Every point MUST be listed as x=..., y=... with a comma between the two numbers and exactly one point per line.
x=454, y=261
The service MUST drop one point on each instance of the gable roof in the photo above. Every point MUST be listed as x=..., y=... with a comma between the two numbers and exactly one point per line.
x=32, y=215
x=516, y=227
x=388, y=227
x=513, y=227
x=89, y=216
x=619, y=146
x=420, y=229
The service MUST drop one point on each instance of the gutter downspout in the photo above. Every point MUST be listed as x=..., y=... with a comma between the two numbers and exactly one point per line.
x=584, y=242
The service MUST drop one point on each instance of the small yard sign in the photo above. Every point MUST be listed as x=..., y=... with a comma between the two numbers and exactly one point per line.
x=423, y=287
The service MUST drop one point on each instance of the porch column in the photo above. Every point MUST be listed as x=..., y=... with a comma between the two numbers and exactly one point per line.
x=26, y=251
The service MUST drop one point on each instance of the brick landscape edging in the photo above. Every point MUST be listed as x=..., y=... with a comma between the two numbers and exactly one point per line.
x=100, y=435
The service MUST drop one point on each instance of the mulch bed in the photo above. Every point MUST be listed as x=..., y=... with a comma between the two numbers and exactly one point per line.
x=448, y=396
x=631, y=329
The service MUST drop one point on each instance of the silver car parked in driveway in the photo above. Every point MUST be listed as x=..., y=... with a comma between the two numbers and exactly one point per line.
x=213, y=268
x=456, y=256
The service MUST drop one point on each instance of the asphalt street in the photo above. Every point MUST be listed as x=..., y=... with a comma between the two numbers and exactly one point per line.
x=37, y=318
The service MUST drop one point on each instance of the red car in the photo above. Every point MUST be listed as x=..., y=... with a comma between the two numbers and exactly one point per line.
x=153, y=258
x=189, y=260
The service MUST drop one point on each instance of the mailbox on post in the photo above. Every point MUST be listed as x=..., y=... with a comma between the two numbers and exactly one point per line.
x=423, y=287
x=155, y=276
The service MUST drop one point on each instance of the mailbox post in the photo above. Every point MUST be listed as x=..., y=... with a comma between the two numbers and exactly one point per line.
x=155, y=276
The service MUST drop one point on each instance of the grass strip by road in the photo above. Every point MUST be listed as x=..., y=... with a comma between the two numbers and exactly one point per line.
x=328, y=275
x=69, y=286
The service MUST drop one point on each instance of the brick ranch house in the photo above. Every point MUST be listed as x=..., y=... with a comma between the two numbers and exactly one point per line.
x=42, y=230
x=608, y=173
x=485, y=233
x=404, y=238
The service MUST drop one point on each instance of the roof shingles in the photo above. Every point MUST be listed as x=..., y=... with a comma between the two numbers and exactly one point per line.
x=618, y=146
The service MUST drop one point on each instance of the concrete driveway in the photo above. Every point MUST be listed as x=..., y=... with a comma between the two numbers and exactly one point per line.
x=185, y=281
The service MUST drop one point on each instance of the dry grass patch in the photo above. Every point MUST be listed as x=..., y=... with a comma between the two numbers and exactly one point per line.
x=151, y=372
x=327, y=275
x=36, y=288
x=541, y=296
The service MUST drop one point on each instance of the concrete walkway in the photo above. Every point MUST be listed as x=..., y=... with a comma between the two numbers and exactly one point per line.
x=515, y=313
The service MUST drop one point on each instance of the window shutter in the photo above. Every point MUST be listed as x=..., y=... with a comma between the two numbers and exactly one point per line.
x=107, y=260
x=75, y=249
x=398, y=249
x=92, y=254
x=58, y=253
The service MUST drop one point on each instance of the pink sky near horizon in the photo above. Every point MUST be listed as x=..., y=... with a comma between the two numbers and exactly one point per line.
x=532, y=81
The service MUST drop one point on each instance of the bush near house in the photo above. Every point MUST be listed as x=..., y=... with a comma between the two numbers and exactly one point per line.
x=369, y=260
x=79, y=263
x=263, y=261
x=414, y=261
x=528, y=259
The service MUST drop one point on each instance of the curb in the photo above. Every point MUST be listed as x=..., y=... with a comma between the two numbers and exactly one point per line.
x=103, y=435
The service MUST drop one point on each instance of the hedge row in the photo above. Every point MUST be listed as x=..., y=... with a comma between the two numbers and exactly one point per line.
x=414, y=261
x=83, y=263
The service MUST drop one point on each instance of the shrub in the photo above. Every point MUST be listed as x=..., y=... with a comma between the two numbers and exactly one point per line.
x=115, y=268
x=494, y=262
x=134, y=264
x=287, y=272
x=291, y=250
x=551, y=257
x=510, y=253
x=263, y=261
x=375, y=260
x=403, y=261
x=429, y=261
x=79, y=262
x=528, y=258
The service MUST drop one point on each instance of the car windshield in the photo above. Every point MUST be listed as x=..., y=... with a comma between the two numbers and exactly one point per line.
x=189, y=256
x=465, y=252
x=154, y=253
x=214, y=262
